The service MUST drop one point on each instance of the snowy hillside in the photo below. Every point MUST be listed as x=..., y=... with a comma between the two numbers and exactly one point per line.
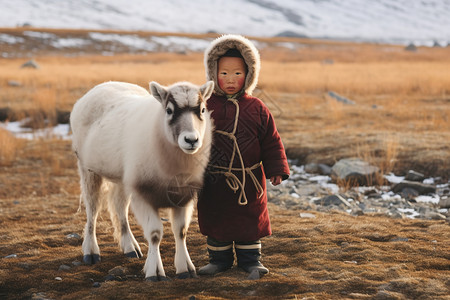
x=394, y=21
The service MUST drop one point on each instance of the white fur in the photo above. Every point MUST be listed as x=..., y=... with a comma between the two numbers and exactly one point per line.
x=122, y=134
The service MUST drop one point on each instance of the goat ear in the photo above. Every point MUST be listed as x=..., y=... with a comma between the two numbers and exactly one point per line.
x=207, y=89
x=158, y=91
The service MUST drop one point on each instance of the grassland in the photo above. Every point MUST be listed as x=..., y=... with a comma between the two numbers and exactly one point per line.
x=399, y=122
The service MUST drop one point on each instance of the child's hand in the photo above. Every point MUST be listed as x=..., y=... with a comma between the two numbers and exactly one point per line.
x=276, y=180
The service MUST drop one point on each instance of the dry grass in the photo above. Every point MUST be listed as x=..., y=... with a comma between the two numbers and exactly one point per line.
x=9, y=146
x=331, y=256
x=400, y=120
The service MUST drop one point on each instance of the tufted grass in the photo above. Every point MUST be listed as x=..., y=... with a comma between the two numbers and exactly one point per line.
x=402, y=98
x=9, y=146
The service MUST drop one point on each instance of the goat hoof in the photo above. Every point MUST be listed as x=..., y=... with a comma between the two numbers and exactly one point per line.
x=157, y=278
x=133, y=254
x=186, y=275
x=91, y=259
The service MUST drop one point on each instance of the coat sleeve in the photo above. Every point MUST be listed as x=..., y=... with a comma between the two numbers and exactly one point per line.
x=273, y=154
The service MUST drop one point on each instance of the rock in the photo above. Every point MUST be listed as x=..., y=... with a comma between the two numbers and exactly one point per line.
x=333, y=200
x=25, y=266
x=293, y=34
x=436, y=44
x=110, y=278
x=421, y=188
x=58, y=278
x=327, y=62
x=310, y=193
x=411, y=47
x=118, y=271
x=73, y=236
x=434, y=215
x=30, y=64
x=414, y=176
x=314, y=168
x=339, y=98
x=64, y=268
x=307, y=215
x=14, y=83
x=39, y=296
x=96, y=284
x=324, y=169
x=399, y=239
x=11, y=256
x=74, y=239
x=62, y=117
x=354, y=172
x=5, y=113
x=444, y=202
x=77, y=263
x=409, y=193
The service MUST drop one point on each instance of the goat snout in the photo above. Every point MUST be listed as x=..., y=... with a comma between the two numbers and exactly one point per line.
x=189, y=142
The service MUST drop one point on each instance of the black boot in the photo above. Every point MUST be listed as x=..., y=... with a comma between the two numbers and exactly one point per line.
x=221, y=257
x=248, y=255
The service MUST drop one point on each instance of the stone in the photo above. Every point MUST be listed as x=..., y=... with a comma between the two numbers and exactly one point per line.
x=333, y=200
x=409, y=193
x=340, y=98
x=354, y=172
x=30, y=64
x=411, y=48
x=324, y=169
x=118, y=271
x=77, y=263
x=444, y=202
x=414, y=176
x=312, y=168
x=73, y=236
x=64, y=268
x=421, y=188
x=14, y=83
x=434, y=216
x=62, y=117
x=25, y=266
x=307, y=215
x=5, y=114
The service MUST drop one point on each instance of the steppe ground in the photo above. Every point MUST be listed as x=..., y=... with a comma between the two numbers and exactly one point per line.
x=399, y=122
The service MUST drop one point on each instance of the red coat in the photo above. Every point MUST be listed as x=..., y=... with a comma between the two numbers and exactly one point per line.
x=219, y=214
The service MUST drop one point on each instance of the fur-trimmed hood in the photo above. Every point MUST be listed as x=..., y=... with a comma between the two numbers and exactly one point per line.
x=219, y=46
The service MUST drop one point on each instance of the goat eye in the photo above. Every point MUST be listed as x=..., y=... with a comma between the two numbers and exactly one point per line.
x=203, y=110
x=169, y=111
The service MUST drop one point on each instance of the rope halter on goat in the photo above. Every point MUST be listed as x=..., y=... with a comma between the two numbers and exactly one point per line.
x=231, y=179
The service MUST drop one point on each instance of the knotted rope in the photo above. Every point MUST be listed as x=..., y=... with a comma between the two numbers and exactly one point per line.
x=232, y=180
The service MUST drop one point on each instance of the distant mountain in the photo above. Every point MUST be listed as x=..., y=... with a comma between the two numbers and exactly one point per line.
x=423, y=22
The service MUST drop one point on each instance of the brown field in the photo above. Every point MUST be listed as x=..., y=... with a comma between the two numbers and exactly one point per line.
x=399, y=122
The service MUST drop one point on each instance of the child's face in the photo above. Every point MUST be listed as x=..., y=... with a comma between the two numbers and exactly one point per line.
x=231, y=74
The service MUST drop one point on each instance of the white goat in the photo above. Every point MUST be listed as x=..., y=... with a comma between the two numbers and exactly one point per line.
x=153, y=149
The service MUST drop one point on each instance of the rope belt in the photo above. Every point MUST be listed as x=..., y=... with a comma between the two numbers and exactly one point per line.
x=232, y=180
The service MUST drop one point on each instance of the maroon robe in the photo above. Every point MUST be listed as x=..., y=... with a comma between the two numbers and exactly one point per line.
x=219, y=214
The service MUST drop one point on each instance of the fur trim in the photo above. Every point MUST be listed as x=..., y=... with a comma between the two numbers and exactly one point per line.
x=219, y=46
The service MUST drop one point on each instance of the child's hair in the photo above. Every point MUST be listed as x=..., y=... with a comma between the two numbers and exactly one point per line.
x=233, y=52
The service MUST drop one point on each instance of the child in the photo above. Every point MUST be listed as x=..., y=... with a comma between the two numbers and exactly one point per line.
x=232, y=207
